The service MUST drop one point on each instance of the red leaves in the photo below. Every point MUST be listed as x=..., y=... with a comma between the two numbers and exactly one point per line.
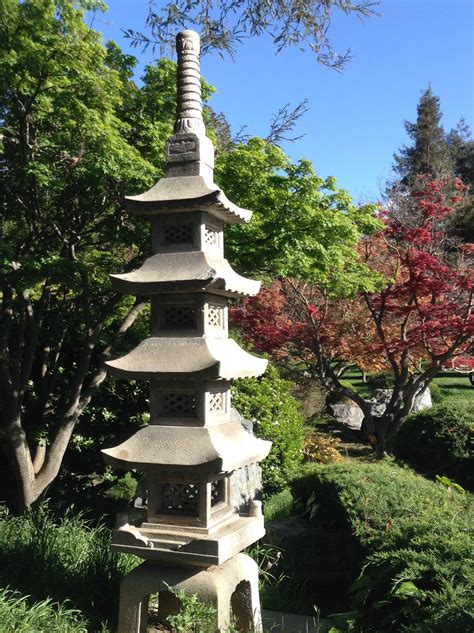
x=262, y=320
x=423, y=312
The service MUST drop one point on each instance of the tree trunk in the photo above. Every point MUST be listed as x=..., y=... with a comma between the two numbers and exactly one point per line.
x=19, y=454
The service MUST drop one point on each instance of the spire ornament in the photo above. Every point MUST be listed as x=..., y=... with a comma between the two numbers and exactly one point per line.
x=189, y=102
x=189, y=152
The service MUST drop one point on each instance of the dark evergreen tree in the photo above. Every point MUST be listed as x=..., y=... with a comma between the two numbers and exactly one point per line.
x=461, y=147
x=429, y=153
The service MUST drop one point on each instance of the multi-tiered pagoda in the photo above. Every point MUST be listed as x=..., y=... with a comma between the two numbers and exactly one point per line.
x=191, y=447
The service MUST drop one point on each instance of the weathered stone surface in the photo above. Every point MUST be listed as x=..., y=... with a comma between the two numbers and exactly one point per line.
x=188, y=272
x=246, y=482
x=186, y=546
x=191, y=446
x=348, y=414
x=187, y=193
x=233, y=584
x=218, y=448
x=422, y=401
x=195, y=358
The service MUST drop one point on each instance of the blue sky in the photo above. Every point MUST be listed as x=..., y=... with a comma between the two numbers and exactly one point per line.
x=355, y=120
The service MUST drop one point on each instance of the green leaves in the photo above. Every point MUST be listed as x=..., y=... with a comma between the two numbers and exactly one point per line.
x=302, y=226
x=406, y=590
x=268, y=402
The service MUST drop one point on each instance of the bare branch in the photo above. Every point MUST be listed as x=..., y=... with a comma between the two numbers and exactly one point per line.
x=284, y=121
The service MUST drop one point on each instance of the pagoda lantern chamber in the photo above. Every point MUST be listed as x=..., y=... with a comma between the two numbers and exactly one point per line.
x=192, y=537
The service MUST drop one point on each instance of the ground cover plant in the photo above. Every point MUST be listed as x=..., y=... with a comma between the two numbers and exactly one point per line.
x=414, y=572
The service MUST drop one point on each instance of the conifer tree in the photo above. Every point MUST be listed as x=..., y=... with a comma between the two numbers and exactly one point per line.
x=429, y=154
x=461, y=147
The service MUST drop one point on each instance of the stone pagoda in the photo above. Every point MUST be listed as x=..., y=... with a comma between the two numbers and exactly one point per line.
x=192, y=536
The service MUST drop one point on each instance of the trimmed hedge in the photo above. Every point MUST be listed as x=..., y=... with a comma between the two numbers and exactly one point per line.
x=414, y=536
x=439, y=440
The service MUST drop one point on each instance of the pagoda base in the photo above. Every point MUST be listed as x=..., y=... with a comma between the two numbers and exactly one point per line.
x=188, y=547
x=232, y=588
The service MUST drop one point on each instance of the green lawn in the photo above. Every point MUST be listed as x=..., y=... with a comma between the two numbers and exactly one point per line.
x=454, y=387
x=355, y=378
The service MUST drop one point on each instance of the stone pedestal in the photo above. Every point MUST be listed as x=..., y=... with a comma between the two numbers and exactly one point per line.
x=232, y=588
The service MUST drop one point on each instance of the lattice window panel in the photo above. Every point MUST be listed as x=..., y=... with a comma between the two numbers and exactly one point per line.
x=215, y=316
x=211, y=237
x=179, y=317
x=216, y=402
x=217, y=492
x=179, y=404
x=179, y=498
x=180, y=234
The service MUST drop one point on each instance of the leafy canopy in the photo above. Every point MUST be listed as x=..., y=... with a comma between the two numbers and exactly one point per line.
x=303, y=225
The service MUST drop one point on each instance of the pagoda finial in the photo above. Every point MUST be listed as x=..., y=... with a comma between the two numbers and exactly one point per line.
x=189, y=104
x=189, y=152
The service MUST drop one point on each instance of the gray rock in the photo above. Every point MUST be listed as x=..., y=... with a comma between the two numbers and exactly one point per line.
x=351, y=415
x=382, y=396
x=348, y=414
x=422, y=401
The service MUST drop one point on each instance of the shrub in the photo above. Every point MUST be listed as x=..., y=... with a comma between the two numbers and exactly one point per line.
x=269, y=403
x=414, y=536
x=321, y=448
x=278, y=505
x=439, y=440
x=435, y=392
x=62, y=559
x=123, y=489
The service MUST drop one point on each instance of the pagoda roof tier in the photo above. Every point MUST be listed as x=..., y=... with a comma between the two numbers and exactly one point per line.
x=186, y=271
x=187, y=193
x=221, y=448
x=189, y=358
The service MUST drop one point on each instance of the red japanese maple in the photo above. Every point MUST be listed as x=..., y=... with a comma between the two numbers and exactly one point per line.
x=420, y=321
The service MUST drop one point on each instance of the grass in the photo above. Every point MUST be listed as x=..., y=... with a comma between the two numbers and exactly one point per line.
x=62, y=559
x=18, y=615
x=355, y=378
x=455, y=387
